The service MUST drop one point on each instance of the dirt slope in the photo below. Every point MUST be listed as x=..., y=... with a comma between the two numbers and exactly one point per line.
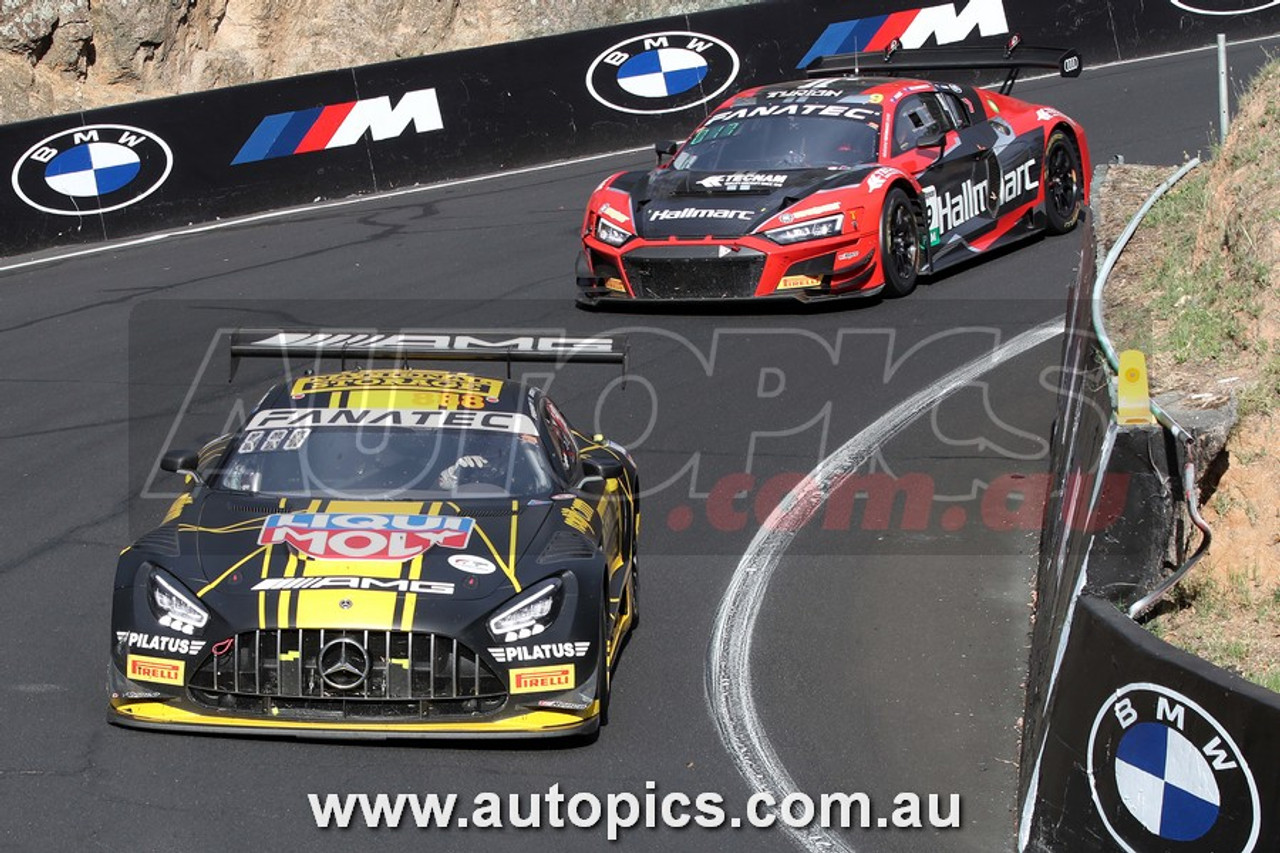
x=60, y=56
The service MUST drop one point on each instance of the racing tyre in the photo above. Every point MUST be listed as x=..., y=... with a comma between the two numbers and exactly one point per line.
x=633, y=601
x=1063, y=188
x=604, y=687
x=899, y=244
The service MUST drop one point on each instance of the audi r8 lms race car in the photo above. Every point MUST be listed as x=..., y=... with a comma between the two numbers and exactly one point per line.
x=385, y=552
x=852, y=183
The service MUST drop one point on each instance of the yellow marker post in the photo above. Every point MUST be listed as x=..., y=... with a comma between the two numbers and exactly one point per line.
x=1132, y=393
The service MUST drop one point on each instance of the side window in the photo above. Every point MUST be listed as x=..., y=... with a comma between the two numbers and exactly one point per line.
x=564, y=450
x=915, y=118
x=954, y=109
x=211, y=454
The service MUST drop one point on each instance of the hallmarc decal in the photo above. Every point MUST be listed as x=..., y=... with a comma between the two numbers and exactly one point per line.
x=1162, y=769
x=662, y=72
x=93, y=169
x=340, y=126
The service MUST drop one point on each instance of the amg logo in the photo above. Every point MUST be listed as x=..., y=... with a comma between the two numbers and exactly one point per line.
x=338, y=582
x=545, y=651
x=700, y=213
x=431, y=340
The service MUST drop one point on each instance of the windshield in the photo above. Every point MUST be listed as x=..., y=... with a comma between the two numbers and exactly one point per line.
x=389, y=454
x=739, y=139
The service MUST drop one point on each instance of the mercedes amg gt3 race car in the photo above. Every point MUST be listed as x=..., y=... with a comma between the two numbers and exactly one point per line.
x=387, y=553
x=852, y=183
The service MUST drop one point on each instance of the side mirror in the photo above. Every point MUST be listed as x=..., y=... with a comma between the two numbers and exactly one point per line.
x=932, y=140
x=595, y=469
x=181, y=462
x=667, y=148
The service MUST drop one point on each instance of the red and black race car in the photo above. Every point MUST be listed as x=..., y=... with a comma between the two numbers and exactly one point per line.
x=852, y=183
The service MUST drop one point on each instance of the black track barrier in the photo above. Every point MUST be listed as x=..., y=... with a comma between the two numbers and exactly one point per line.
x=168, y=163
x=1152, y=749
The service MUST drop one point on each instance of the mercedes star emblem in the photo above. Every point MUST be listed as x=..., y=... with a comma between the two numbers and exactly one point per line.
x=343, y=664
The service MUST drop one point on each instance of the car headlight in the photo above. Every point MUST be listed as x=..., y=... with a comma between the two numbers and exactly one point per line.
x=609, y=233
x=530, y=614
x=175, y=607
x=816, y=229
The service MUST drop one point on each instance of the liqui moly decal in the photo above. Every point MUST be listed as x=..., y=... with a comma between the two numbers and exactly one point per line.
x=372, y=536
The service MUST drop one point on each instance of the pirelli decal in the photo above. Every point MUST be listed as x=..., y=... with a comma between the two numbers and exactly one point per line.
x=158, y=670
x=539, y=679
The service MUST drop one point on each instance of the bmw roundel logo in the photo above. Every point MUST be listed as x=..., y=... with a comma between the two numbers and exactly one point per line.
x=94, y=169
x=662, y=72
x=1162, y=771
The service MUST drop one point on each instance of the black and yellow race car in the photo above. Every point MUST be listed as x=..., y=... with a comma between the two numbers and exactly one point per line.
x=391, y=552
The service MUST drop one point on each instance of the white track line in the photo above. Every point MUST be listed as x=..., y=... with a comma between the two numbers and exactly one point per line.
x=728, y=678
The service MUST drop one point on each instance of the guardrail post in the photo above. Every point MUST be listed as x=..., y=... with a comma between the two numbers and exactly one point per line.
x=1224, y=118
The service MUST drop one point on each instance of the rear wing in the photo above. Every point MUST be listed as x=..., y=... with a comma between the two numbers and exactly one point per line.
x=406, y=346
x=1011, y=57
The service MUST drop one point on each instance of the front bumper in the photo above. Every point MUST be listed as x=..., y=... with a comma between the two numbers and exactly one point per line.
x=717, y=271
x=414, y=685
x=533, y=724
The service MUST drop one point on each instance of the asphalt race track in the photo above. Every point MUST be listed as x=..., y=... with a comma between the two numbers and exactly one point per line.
x=885, y=658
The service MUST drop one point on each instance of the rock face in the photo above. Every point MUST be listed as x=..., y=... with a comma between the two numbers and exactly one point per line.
x=59, y=56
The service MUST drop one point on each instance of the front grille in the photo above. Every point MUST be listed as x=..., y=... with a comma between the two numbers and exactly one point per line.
x=405, y=674
x=695, y=278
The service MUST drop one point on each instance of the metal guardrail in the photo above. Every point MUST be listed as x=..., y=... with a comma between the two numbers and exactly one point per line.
x=1162, y=417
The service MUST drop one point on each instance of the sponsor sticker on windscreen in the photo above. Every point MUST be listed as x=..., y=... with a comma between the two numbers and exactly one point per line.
x=513, y=422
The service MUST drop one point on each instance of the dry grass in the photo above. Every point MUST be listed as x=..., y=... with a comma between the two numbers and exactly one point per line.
x=1198, y=290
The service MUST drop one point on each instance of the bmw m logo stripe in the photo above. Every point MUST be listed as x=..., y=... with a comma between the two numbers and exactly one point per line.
x=861, y=34
x=946, y=23
x=340, y=125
